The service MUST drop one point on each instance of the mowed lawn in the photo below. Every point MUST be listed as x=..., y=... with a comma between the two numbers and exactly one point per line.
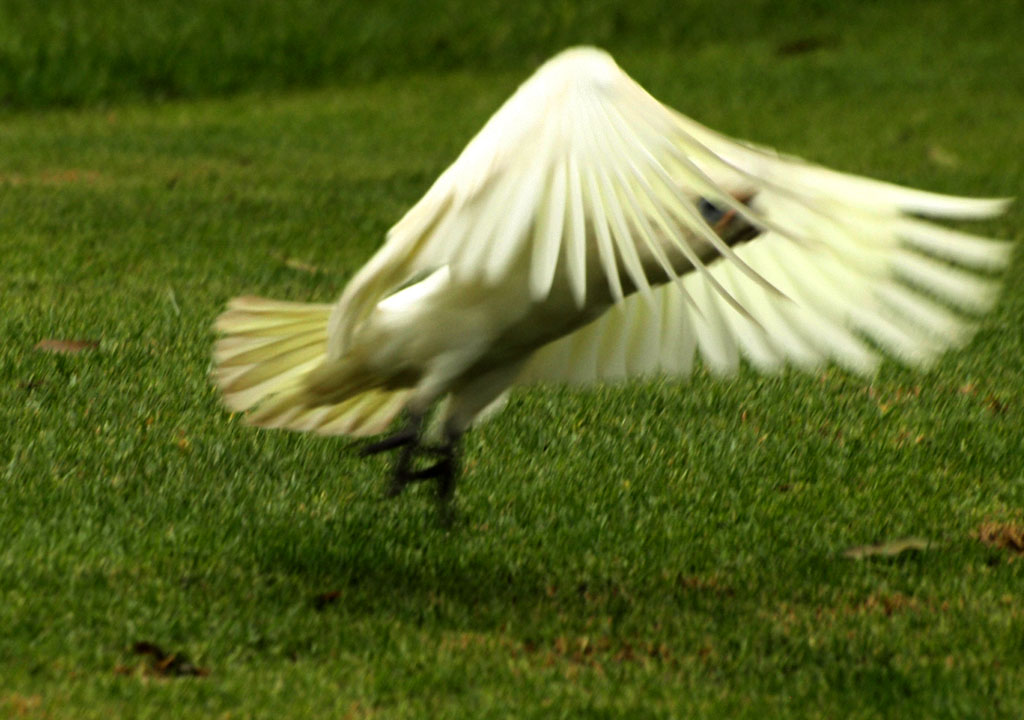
x=662, y=548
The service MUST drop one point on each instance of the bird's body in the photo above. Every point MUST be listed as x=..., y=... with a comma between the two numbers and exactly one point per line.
x=588, y=232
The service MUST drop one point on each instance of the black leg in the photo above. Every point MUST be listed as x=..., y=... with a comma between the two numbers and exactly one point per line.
x=401, y=476
x=408, y=436
x=450, y=461
x=407, y=440
x=444, y=470
x=446, y=484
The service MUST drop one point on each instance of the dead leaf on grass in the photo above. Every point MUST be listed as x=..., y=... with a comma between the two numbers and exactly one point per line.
x=995, y=405
x=182, y=441
x=709, y=583
x=66, y=346
x=1002, y=535
x=891, y=548
x=326, y=598
x=886, y=603
x=22, y=705
x=805, y=45
x=164, y=664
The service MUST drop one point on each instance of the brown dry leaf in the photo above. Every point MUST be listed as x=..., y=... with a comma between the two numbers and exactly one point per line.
x=892, y=548
x=182, y=441
x=327, y=598
x=1002, y=535
x=66, y=346
x=889, y=604
x=995, y=405
x=805, y=45
x=22, y=705
x=709, y=583
x=166, y=664
x=905, y=437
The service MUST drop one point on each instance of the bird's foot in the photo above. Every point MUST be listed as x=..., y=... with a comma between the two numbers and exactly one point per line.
x=443, y=471
x=408, y=442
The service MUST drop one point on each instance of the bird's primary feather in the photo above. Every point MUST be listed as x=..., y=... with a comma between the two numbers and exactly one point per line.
x=588, y=232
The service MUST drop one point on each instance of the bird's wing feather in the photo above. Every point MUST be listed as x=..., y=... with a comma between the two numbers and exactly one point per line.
x=865, y=286
x=582, y=163
x=577, y=156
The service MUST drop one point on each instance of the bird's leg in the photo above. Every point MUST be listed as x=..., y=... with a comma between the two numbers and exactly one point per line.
x=407, y=441
x=445, y=471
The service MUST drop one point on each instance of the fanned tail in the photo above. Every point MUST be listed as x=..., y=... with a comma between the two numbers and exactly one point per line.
x=264, y=360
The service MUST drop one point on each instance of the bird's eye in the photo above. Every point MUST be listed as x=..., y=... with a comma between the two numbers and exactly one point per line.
x=709, y=211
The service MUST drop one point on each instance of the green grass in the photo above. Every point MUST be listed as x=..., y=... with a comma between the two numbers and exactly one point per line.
x=650, y=549
x=73, y=52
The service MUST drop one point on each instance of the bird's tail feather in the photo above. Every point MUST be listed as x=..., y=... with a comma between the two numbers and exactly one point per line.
x=265, y=358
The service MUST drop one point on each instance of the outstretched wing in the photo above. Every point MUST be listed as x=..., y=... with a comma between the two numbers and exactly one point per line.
x=838, y=307
x=581, y=162
x=576, y=156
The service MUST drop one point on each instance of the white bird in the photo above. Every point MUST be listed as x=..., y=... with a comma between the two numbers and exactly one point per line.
x=589, y=232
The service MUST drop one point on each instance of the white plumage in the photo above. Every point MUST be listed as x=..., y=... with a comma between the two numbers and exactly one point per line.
x=589, y=232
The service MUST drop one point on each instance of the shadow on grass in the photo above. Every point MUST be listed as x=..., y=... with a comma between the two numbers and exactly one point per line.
x=403, y=565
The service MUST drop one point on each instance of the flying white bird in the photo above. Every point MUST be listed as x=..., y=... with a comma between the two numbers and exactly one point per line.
x=589, y=232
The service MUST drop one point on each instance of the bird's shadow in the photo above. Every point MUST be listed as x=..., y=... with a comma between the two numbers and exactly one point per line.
x=405, y=567
x=373, y=566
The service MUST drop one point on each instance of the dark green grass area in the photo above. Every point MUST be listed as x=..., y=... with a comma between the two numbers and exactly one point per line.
x=73, y=52
x=657, y=548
